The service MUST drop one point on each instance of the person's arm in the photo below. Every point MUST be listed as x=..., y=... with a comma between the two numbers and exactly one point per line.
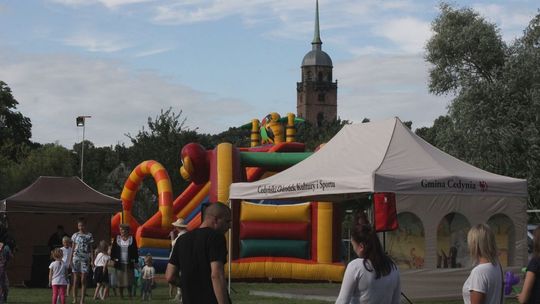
x=218, y=282
x=50, y=277
x=171, y=275
x=92, y=252
x=348, y=285
x=70, y=258
x=477, y=297
x=528, y=284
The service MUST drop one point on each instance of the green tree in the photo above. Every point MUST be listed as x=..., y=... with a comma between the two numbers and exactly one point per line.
x=465, y=50
x=15, y=128
x=493, y=120
x=313, y=136
x=162, y=142
x=48, y=160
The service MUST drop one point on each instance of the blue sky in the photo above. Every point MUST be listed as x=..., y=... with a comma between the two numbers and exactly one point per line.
x=220, y=62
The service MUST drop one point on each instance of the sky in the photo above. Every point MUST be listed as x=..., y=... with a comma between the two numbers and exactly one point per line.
x=220, y=63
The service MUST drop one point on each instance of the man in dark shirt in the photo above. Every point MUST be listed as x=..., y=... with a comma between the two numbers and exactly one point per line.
x=55, y=240
x=198, y=257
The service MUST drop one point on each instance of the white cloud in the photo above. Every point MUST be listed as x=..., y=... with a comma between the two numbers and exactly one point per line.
x=409, y=34
x=510, y=20
x=111, y=4
x=384, y=86
x=152, y=52
x=96, y=43
x=53, y=89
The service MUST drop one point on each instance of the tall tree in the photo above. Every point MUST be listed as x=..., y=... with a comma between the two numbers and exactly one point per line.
x=15, y=128
x=493, y=120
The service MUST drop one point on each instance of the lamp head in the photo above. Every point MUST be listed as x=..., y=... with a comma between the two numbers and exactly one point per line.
x=80, y=121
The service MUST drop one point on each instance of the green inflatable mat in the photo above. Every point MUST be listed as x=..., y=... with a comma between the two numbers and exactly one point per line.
x=274, y=248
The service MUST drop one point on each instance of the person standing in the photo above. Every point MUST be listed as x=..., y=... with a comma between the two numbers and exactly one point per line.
x=147, y=273
x=530, y=294
x=199, y=256
x=5, y=256
x=66, y=254
x=101, y=277
x=485, y=283
x=58, y=276
x=81, y=257
x=373, y=277
x=55, y=240
x=179, y=228
x=125, y=255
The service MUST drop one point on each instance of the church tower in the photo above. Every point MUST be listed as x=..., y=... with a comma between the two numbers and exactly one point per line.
x=317, y=93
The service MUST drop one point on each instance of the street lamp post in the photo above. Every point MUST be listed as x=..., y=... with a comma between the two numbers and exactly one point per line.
x=81, y=123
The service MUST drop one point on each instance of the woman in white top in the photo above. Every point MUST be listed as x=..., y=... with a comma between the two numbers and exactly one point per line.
x=372, y=277
x=485, y=283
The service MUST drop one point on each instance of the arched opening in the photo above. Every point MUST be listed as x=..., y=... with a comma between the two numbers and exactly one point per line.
x=452, y=251
x=406, y=245
x=320, y=76
x=505, y=237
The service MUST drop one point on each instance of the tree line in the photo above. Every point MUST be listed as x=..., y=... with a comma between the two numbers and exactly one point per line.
x=107, y=168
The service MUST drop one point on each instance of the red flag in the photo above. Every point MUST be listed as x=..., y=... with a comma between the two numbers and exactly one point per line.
x=384, y=205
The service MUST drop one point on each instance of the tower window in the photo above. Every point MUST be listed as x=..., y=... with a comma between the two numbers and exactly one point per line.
x=320, y=76
x=320, y=119
x=309, y=76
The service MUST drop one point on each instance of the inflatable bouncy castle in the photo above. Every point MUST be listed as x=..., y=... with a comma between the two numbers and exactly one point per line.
x=270, y=240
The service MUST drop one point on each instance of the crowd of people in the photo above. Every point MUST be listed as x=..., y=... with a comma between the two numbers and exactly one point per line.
x=114, y=265
x=195, y=270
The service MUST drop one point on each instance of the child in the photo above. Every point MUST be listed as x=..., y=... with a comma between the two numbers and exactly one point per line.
x=148, y=273
x=100, y=272
x=57, y=276
x=112, y=275
x=66, y=251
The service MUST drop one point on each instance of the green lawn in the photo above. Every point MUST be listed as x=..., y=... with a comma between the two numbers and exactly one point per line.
x=239, y=295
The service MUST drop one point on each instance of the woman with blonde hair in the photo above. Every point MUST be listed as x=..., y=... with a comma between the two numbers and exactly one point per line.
x=530, y=294
x=485, y=283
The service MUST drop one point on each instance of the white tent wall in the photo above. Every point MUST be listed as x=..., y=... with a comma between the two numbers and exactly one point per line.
x=431, y=209
x=477, y=209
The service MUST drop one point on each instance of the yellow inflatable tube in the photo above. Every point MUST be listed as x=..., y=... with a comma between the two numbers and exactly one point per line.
x=273, y=213
x=288, y=270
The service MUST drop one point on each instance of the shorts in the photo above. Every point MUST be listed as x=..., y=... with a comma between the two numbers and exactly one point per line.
x=80, y=265
x=100, y=276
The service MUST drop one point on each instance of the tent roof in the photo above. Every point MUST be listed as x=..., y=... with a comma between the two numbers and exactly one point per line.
x=381, y=156
x=50, y=194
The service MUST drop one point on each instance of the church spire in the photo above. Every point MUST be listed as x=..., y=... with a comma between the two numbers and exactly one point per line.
x=316, y=43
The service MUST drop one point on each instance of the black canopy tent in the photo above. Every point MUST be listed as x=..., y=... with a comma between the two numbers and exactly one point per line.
x=34, y=213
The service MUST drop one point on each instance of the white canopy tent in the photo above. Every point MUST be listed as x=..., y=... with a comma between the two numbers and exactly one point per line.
x=388, y=157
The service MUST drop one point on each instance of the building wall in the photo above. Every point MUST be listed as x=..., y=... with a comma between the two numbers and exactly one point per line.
x=317, y=95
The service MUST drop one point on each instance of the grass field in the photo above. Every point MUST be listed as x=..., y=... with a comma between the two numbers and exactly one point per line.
x=239, y=295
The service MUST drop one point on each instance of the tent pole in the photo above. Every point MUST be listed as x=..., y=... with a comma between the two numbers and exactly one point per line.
x=230, y=247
